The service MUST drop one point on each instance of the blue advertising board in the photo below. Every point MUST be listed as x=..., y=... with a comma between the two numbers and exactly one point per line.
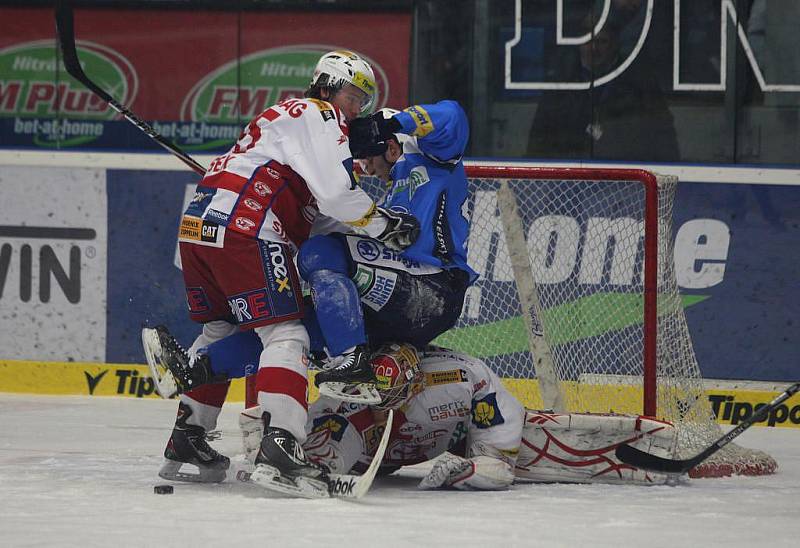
x=743, y=324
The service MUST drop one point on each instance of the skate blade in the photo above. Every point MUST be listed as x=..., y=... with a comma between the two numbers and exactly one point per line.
x=164, y=380
x=271, y=479
x=363, y=392
x=171, y=470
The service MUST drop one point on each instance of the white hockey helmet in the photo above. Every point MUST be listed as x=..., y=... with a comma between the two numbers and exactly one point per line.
x=337, y=68
x=396, y=367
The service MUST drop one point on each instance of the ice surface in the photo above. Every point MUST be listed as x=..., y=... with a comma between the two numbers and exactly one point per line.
x=78, y=471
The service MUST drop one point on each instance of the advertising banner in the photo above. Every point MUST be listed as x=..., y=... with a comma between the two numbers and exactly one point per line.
x=741, y=242
x=196, y=76
x=53, y=233
x=733, y=254
x=88, y=257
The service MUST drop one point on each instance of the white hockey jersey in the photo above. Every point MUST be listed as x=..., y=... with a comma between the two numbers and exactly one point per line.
x=463, y=408
x=290, y=162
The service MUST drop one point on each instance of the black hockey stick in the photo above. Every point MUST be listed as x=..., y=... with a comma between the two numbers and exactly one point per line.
x=66, y=39
x=646, y=461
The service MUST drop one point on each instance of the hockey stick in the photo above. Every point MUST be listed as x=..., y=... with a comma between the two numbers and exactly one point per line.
x=348, y=486
x=66, y=39
x=364, y=482
x=646, y=461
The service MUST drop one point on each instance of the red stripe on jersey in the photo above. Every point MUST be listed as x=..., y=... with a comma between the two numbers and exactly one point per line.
x=265, y=187
x=296, y=208
x=279, y=380
x=270, y=114
x=225, y=180
x=210, y=394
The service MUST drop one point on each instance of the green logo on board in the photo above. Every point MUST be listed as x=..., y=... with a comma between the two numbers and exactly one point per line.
x=267, y=77
x=48, y=104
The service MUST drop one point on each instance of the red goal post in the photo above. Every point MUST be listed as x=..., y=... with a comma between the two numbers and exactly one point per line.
x=649, y=209
x=580, y=261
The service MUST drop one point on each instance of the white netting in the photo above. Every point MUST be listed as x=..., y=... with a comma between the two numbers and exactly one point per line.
x=584, y=239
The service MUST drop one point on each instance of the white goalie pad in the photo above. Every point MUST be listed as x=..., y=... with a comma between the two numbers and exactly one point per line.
x=579, y=447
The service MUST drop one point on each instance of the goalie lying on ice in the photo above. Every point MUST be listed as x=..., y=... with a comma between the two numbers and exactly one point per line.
x=446, y=403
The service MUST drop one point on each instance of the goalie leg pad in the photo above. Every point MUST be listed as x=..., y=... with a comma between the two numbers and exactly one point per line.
x=332, y=441
x=579, y=447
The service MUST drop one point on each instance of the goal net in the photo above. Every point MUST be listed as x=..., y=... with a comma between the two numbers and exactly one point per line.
x=577, y=305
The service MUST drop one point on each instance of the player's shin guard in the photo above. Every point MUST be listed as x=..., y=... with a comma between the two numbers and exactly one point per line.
x=281, y=381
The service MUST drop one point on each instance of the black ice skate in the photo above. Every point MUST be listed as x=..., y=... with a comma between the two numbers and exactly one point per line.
x=282, y=466
x=170, y=365
x=188, y=445
x=350, y=380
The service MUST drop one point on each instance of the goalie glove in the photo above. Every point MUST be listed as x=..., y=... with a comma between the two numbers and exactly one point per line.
x=368, y=135
x=478, y=473
x=402, y=229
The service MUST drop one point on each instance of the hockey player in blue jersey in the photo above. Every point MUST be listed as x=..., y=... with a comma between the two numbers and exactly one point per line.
x=366, y=292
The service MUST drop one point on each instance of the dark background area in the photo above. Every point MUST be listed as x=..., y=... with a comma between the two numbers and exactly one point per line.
x=680, y=98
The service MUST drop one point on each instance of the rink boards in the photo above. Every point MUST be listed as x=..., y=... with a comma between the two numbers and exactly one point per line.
x=88, y=256
x=732, y=401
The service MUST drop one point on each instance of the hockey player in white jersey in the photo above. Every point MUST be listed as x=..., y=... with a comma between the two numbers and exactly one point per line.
x=252, y=210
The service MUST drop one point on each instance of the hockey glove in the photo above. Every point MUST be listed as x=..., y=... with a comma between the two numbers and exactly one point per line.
x=402, y=229
x=368, y=135
x=479, y=473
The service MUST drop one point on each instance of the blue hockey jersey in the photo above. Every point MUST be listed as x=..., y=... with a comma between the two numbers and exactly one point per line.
x=429, y=182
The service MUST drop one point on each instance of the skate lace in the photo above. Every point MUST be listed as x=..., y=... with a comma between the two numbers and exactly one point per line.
x=201, y=444
x=176, y=347
x=347, y=363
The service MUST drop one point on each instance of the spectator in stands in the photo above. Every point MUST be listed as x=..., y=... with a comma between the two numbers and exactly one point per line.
x=624, y=119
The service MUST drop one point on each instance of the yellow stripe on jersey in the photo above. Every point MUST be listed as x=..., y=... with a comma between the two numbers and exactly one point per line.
x=365, y=220
x=422, y=119
x=322, y=105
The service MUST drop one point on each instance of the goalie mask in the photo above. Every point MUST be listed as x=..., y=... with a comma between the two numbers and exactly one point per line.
x=399, y=376
x=337, y=68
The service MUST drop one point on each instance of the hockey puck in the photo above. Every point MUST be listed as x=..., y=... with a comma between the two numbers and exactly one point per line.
x=163, y=489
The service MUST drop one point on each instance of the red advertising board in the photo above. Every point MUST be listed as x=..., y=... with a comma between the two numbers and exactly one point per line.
x=198, y=75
